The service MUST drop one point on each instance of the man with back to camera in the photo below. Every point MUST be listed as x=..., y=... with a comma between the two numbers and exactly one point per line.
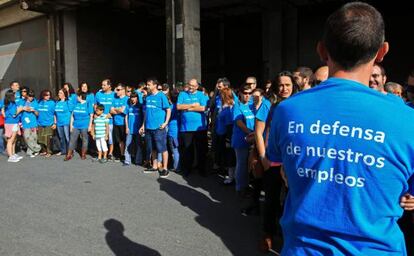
x=346, y=170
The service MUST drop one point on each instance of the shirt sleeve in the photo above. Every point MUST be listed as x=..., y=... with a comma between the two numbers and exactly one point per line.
x=164, y=101
x=202, y=99
x=262, y=112
x=180, y=99
x=273, y=151
x=90, y=108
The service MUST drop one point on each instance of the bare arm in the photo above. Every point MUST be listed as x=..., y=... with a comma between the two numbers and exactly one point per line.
x=126, y=124
x=242, y=126
x=167, y=118
x=197, y=109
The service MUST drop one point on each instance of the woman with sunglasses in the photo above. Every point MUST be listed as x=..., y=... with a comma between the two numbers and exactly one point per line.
x=46, y=121
x=29, y=123
x=63, y=111
x=243, y=127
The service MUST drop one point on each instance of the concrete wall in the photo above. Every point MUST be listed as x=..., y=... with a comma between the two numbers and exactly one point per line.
x=13, y=14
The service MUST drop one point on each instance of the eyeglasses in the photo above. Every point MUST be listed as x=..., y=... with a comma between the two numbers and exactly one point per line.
x=247, y=93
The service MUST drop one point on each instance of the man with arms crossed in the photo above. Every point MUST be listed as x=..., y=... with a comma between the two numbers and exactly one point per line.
x=346, y=169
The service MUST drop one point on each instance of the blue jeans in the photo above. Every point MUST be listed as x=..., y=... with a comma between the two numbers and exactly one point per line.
x=74, y=136
x=242, y=174
x=63, y=132
x=156, y=140
x=1, y=140
x=173, y=147
x=131, y=140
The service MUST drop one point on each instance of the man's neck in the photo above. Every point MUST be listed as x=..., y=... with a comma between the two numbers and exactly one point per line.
x=360, y=74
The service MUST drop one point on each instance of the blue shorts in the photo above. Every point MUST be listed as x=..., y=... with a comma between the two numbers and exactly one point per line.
x=157, y=139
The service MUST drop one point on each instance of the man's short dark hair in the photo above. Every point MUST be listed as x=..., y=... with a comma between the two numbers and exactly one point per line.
x=304, y=72
x=383, y=73
x=353, y=34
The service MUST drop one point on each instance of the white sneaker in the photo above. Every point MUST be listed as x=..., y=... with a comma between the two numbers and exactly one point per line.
x=13, y=159
x=228, y=180
x=17, y=156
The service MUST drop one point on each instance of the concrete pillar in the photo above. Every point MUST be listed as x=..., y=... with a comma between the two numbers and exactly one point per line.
x=70, y=48
x=272, y=39
x=184, y=53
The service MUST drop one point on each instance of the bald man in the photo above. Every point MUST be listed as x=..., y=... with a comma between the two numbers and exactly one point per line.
x=320, y=75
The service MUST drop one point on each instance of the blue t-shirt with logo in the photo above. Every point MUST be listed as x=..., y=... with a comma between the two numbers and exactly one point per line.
x=81, y=115
x=348, y=156
x=10, y=113
x=244, y=113
x=224, y=118
x=174, y=120
x=134, y=117
x=90, y=98
x=63, y=111
x=106, y=99
x=29, y=119
x=119, y=119
x=46, y=110
x=155, y=110
x=192, y=120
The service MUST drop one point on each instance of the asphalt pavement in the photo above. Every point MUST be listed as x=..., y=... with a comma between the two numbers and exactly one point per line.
x=52, y=207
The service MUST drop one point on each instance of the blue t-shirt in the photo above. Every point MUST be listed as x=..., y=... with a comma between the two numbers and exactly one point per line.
x=192, y=120
x=155, y=110
x=46, y=111
x=173, y=124
x=134, y=117
x=224, y=118
x=262, y=113
x=18, y=98
x=63, y=112
x=244, y=113
x=81, y=115
x=106, y=99
x=73, y=99
x=348, y=156
x=10, y=114
x=90, y=98
x=140, y=96
x=29, y=119
x=119, y=119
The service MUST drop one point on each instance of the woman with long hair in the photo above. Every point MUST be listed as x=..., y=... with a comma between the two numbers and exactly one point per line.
x=272, y=178
x=46, y=121
x=224, y=133
x=63, y=111
x=11, y=112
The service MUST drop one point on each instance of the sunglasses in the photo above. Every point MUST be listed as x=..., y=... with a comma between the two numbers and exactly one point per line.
x=247, y=93
x=129, y=91
x=250, y=83
x=118, y=89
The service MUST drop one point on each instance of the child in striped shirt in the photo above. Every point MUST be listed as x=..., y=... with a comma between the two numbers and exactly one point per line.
x=100, y=132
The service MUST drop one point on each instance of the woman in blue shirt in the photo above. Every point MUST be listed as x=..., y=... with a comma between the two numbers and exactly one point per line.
x=46, y=121
x=243, y=126
x=272, y=179
x=90, y=97
x=11, y=111
x=172, y=134
x=72, y=97
x=224, y=132
x=133, y=121
x=80, y=121
x=29, y=123
x=63, y=111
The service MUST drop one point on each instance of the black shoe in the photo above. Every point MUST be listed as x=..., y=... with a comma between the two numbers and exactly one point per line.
x=110, y=157
x=164, y=173
x=150, y=170
x=117, y=159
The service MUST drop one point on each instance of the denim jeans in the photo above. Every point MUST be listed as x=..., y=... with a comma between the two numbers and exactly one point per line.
x=1, y=140
x=242, y=174
x=74, y=135
x=131, y=140
x=173, y=147
x=63, y=132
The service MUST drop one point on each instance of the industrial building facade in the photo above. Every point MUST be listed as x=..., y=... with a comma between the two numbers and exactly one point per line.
x=44, y=43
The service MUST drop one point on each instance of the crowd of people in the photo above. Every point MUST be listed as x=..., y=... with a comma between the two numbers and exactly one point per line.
x=151, y=123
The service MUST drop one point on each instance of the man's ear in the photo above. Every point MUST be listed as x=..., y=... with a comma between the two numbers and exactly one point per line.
x=322, y=52
x=383, y=50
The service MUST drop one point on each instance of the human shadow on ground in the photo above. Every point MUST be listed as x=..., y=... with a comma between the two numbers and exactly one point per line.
x=122, y=245
x=223, y=219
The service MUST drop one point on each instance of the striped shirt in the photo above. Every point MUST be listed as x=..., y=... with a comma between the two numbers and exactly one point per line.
x=100, y=126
